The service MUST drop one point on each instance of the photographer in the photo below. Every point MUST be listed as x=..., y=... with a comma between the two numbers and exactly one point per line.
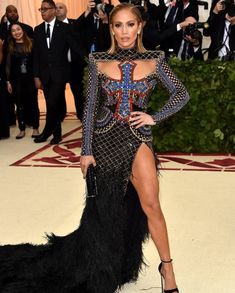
x=178, y=15
x=191, y=46
x=221, y=30
x=155, y=31
x=94, y=25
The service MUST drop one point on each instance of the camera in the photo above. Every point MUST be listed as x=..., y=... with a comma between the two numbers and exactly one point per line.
x=191, y=29
x=104, y=7
x=140, y=5
x=229, y=6
x=137, y=2
x=229, y=57
x=134, y=2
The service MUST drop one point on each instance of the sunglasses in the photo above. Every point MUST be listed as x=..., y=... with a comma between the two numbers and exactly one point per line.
x=45, y=9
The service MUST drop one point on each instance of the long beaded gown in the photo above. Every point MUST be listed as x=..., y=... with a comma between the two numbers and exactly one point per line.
x=105, y=251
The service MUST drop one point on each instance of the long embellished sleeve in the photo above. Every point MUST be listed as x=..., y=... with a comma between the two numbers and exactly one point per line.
x=90, y=107
x=178, y=93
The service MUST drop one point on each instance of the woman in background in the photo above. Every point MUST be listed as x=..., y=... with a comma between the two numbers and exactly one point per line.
x=19, y=72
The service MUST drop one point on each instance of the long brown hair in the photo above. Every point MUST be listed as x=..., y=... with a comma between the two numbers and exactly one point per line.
x=135, y=11
x=27, y=42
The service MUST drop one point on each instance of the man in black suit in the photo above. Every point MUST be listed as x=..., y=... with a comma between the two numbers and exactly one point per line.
x=77, y=64
x=12, y=16
x=221, y=30
x=52, y=40
x=174, y=14
x=95, y=28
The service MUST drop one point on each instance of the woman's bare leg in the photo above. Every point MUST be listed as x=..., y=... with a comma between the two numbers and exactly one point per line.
x=144, y=179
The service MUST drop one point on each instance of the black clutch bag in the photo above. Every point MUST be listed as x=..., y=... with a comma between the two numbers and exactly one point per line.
x=91, y=182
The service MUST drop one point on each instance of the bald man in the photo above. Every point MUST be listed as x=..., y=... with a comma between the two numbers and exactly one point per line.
x=61, y=12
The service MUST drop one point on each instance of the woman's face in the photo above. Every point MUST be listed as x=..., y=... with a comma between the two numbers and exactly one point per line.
x=17, y=32
x=125, y=28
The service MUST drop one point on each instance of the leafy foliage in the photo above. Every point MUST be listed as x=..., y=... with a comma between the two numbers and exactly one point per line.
x=207, y=123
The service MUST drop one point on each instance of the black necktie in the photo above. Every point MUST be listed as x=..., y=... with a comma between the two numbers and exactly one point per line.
x=48, y=32
x=231, y=40
x=171, y=16
x=184, y=54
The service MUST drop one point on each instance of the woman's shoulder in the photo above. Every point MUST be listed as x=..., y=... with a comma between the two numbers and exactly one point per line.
x=146, y=55
x=153, y=54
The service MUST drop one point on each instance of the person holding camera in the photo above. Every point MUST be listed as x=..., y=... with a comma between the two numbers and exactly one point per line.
x=95, y=26
x=179, y=14
x=221, y=30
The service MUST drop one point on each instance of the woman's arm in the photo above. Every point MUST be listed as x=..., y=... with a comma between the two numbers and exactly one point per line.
x=89, y=116
x=90, y=107
x=178, y=93
x=8, y=72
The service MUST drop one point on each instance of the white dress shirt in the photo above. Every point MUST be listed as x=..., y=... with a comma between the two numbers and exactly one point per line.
x=52, y=24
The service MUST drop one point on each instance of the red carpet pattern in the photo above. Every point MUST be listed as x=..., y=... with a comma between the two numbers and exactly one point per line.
x=69, y=116
x=67, y=154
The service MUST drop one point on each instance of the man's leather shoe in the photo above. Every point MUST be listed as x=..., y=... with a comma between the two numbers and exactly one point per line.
x=40, y=138
x=55, y=140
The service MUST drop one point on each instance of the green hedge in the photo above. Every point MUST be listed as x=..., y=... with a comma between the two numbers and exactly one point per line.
x=207, y=123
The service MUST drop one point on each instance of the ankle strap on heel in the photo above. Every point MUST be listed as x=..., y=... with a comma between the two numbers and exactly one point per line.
x=167, y=261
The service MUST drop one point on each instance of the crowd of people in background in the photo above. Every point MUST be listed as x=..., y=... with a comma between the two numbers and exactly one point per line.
x=55, y=52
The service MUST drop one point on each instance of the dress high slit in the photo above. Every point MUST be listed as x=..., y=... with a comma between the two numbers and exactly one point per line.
x=105, y=251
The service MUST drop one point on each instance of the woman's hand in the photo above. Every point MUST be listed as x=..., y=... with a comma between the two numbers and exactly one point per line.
x=85, y=161
x=138, y=119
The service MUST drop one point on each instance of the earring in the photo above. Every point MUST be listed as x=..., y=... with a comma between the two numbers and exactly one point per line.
x=138, y=32
x=113, y=33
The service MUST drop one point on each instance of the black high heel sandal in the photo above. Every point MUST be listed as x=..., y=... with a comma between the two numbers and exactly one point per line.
x=175, y=290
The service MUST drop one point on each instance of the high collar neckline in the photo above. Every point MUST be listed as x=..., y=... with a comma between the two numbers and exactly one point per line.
x=126, y=53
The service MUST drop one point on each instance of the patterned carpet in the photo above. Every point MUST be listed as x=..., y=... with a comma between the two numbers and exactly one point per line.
x=67, y=154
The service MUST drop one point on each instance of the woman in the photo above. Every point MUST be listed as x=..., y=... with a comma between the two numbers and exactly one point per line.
x=105, y=252
x=20, y=82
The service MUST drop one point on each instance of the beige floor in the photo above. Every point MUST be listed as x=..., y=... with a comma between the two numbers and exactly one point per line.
x=199, y=209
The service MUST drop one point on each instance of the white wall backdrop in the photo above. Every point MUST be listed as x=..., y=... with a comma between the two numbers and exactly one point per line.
x=28, y=9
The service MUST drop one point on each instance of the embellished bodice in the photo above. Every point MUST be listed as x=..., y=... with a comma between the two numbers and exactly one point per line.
x=122, y=96
x=110, y=100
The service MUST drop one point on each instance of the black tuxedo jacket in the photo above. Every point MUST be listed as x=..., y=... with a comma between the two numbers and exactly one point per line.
x=77, y=36
x=90, y=33
x=175, y=38
x=51, y=64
